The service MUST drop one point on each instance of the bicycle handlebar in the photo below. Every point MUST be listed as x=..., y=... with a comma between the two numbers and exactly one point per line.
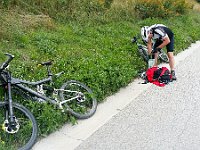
x=6, y=63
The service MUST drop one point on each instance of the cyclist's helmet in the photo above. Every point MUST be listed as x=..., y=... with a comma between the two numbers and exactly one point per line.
x=145, y=33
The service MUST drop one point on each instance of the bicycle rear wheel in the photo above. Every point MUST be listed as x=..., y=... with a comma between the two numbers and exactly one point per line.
x=21, y=134
x=80, y=100
x=163, y=56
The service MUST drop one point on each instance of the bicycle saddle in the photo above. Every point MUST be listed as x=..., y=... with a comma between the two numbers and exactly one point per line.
x=48, y=63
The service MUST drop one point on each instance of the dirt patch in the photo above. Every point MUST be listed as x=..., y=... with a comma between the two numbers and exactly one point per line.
x=37, y=21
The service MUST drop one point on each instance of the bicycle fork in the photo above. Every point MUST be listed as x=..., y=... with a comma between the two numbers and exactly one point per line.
x=11, y=124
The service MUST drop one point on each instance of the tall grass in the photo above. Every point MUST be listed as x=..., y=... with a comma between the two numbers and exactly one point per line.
x=161, y=8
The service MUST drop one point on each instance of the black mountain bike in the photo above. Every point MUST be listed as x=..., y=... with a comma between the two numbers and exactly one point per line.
x=143, y=51
x=73, y=96
x=18, y=127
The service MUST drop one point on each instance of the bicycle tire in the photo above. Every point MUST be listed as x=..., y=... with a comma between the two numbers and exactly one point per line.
x=144, y=53
x=163, y=56
x=28, y=123
x=81, y=110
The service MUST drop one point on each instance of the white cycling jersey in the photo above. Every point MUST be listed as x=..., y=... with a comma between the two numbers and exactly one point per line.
x=158, y=32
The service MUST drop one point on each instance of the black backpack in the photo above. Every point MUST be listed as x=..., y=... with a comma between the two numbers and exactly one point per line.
x=163, y=75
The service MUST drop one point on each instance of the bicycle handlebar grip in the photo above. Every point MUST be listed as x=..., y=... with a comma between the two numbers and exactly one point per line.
x=134, y=39
x=5, y=64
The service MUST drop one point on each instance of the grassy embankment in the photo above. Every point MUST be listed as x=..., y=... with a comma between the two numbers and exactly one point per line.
x=90, y=42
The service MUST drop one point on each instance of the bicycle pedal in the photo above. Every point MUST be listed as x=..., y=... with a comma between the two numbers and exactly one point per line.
x=143, y=75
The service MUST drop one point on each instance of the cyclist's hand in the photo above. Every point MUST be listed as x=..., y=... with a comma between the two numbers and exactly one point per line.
x=157, y=49
x=150, y=52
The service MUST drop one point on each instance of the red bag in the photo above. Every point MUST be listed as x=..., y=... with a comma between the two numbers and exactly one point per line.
x=158, y=76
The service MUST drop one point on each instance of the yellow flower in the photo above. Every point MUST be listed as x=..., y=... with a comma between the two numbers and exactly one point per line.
x=2, y=142
x=2, y=127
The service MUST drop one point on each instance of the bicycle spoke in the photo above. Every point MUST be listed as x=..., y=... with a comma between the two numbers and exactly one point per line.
x=81, y=100
x=81, y=104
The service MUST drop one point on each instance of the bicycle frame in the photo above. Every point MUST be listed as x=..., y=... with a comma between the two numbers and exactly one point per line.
x=19, y=83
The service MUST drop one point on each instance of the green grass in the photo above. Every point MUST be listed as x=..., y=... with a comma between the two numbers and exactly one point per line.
x=95, y=50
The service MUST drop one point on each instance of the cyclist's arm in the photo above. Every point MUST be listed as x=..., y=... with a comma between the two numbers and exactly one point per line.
x=166, y=41
x=149, y=44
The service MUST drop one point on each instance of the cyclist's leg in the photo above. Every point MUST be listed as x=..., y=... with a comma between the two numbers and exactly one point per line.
x=170, y=50
x=155, y=54
x=171, y=60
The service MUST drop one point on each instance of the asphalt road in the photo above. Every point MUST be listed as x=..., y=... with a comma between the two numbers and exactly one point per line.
x=142, y=117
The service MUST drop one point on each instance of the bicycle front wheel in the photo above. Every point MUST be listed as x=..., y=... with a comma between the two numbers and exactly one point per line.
x=143, y=51
x=79, y=99
x=20, y=134
x=163, y=56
